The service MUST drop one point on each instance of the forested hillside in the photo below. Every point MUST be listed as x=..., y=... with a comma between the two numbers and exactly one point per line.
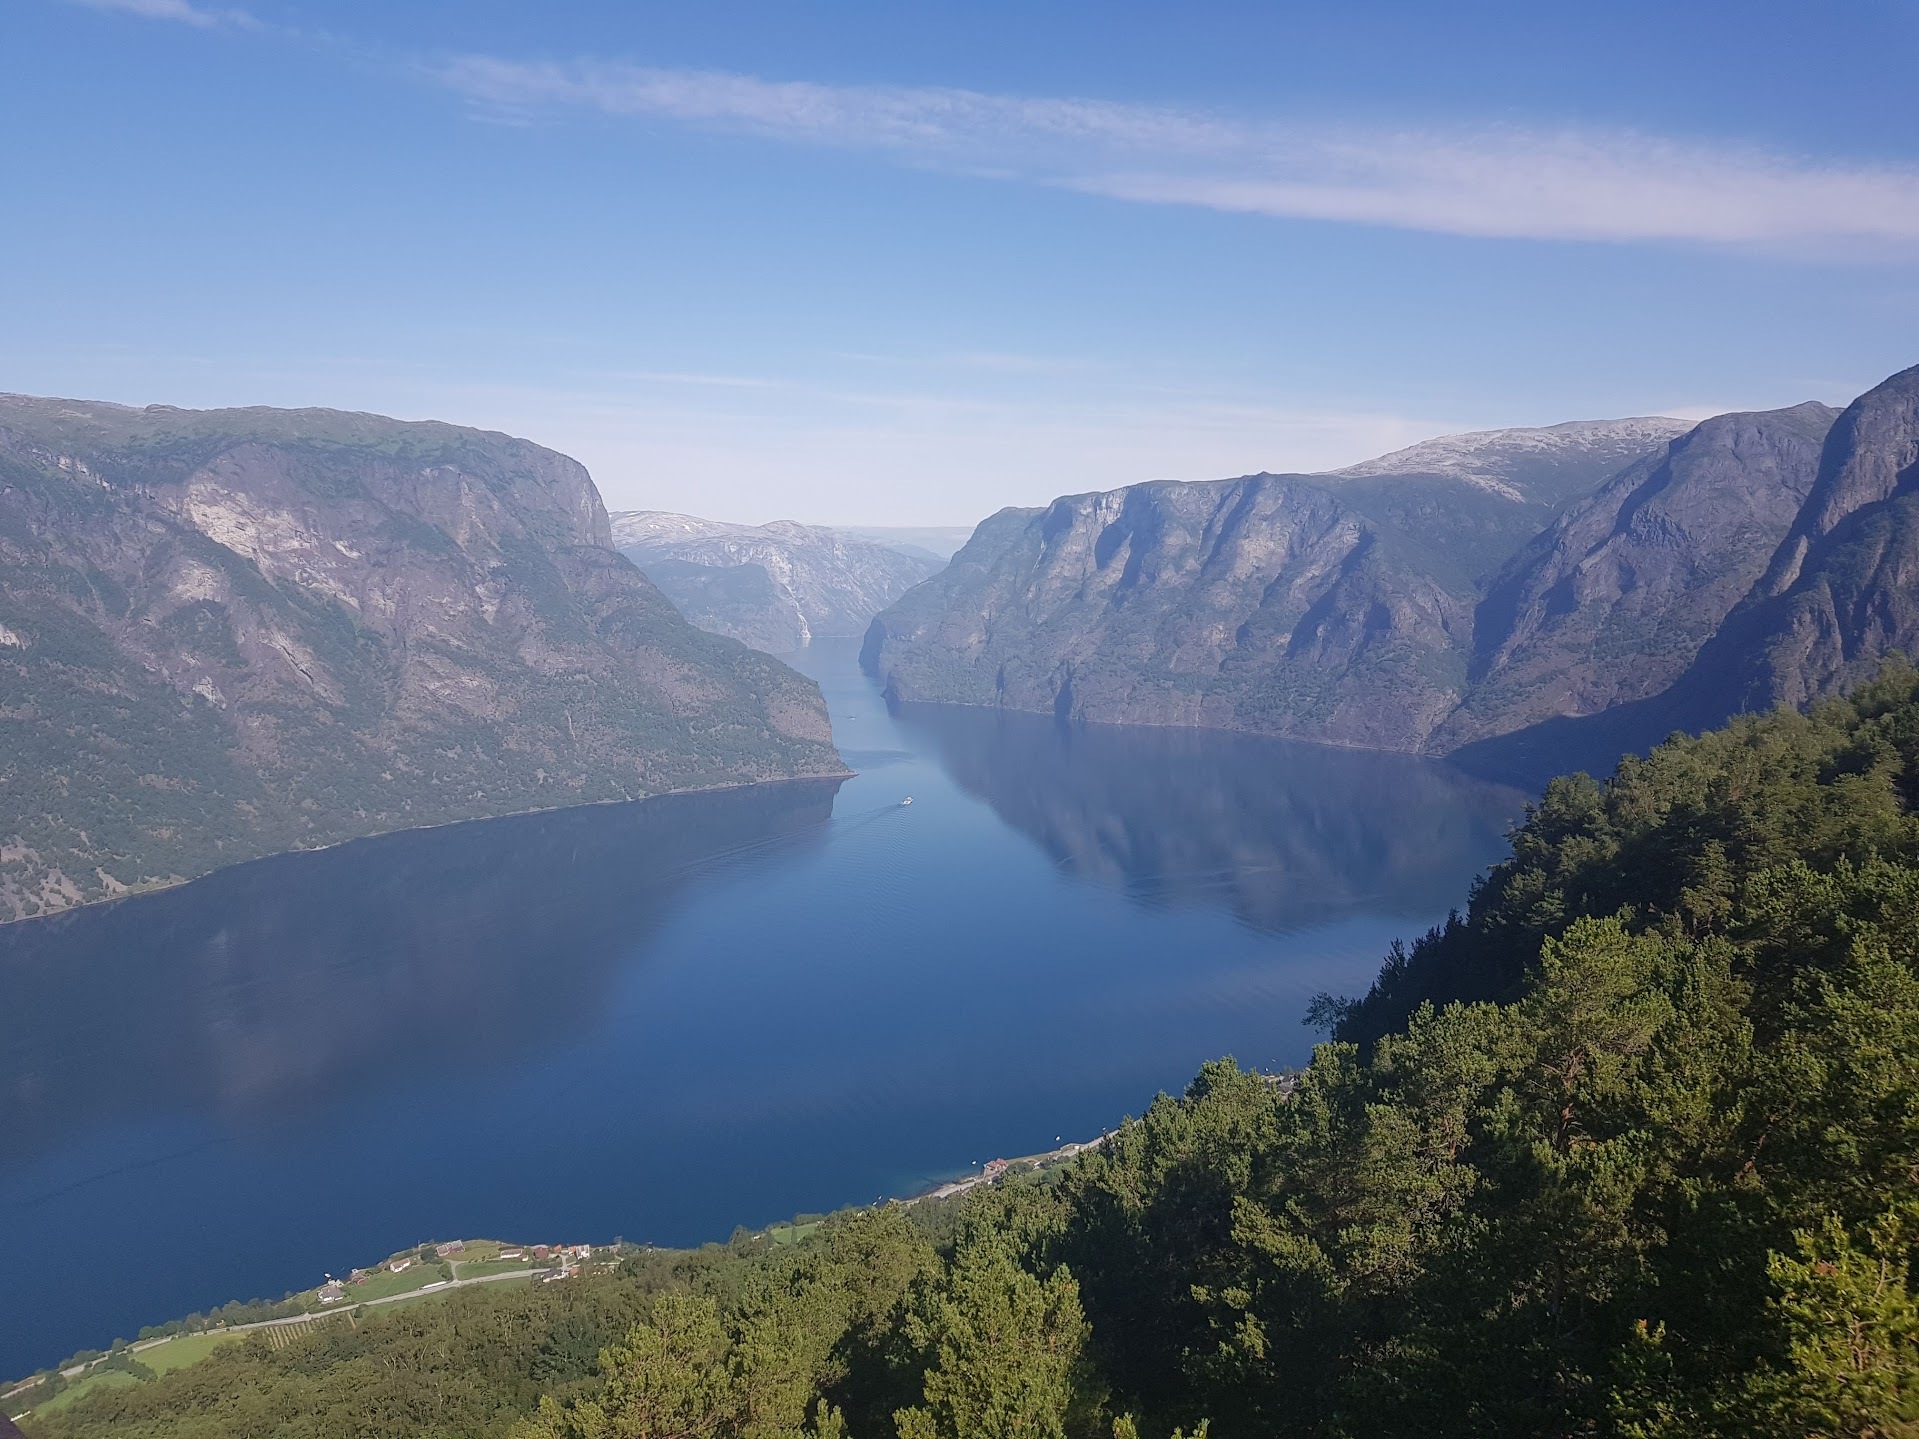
x=1631, y=1148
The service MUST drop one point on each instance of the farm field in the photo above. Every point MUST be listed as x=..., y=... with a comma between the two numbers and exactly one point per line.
x=383, y=1283
x=182, y=1350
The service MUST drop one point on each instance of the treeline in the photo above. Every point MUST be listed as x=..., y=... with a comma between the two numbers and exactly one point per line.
x=1630, y=1148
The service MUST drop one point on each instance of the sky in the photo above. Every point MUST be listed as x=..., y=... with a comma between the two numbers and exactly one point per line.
x=907, y=263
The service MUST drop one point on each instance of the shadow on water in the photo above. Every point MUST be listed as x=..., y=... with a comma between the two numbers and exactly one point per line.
x=1284, y=835
x=283, y=984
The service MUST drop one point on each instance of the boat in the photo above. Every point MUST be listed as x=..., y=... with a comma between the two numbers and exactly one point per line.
x=905, y=802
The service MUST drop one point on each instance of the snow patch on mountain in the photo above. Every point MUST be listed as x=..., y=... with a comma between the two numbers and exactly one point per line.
x=1495, y=460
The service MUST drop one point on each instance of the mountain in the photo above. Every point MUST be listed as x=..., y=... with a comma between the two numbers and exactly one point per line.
x=1480, y=496
x=775, y=587
x=1612, y=602
x=1337, y=608
x=234, y=632
x=1837, y=592
x=1842, y=590
x=933, y=542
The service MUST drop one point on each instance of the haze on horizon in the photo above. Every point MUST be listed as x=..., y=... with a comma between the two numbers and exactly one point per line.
x=885, y=266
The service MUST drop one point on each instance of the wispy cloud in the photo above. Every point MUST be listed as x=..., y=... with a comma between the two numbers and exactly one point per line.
x=1554, y=184
x=176, y=10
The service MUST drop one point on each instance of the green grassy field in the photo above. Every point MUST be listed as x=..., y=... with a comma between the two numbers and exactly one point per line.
x=791, y=1233
x=414, y=1299
x=383, y=1282
x=183, y=1350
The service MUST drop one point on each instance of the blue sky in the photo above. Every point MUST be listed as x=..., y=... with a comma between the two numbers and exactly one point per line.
x=909, y=262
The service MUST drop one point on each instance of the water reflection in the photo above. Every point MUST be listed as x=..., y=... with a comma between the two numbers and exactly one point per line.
x=663, y=1019
x=1284, y=835
x=282, y=983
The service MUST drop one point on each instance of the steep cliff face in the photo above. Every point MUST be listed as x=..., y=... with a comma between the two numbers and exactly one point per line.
x=776, y=587
x=228, y=633
x=1259, y=603
x=1337, y=608
x=1842, y=590
x=1612, y=602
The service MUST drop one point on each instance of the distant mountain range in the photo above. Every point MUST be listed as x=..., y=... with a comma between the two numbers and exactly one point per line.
x=1517, y=593
x=775, y=587
x=228, y=633
x=934, y=542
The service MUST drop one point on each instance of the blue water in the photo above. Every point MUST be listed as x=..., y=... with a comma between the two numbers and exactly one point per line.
x=661, y=1020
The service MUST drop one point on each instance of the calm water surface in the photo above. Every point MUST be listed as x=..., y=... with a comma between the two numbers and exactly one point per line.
x=661, y=1020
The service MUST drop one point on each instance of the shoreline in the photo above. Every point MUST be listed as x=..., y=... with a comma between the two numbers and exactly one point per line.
x=1019, y=1164
x=133, y=892
x=991, y=1173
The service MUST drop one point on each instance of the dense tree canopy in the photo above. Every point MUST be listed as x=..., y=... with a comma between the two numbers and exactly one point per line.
x=1629, y=1148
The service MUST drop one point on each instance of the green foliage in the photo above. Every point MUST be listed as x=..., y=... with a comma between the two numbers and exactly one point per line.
x=672, y=1376
x=1852, y=1330
x=1002, y=1347
x=1651, y=1172
x=1685, y=842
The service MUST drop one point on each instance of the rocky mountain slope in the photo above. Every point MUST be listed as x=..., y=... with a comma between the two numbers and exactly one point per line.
x=1612, y=602
x=229, y=633
x=1842, y=590
x=1752, y=560
x=775, y=587
x=1838, y=592
x=1476, y=498
x=1333, y=607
